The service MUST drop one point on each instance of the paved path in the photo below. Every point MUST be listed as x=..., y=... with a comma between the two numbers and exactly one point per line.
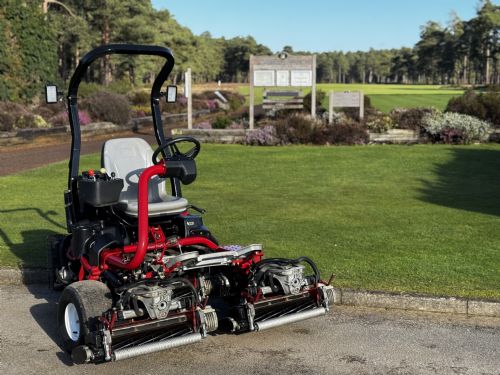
x=348, y=341
x=18, y=158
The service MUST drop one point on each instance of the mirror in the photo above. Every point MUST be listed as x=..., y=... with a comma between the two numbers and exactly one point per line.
x=51, y=94
x=171, y=94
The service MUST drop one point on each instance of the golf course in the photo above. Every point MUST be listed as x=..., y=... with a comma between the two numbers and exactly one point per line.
x=421, y=218
x=384, y=97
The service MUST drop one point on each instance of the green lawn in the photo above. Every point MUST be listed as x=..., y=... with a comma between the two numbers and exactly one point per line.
x=396, y=218
x=386, y=97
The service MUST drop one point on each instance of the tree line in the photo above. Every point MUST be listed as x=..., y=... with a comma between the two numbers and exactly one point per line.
x=43, y=40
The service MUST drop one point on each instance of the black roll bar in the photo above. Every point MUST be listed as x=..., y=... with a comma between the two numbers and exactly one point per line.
x=81, y=70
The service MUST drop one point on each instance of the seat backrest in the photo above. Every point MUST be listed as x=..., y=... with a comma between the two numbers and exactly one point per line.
x=127, y=158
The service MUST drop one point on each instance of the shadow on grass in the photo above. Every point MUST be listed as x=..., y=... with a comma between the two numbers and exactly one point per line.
x=34, y=245
x=470, y=181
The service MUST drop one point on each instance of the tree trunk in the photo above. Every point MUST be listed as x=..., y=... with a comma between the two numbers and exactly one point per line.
x=106, y=61
x=487, y=67
x=131, y=73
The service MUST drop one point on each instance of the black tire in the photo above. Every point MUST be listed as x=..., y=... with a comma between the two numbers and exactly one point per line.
x=90, y=299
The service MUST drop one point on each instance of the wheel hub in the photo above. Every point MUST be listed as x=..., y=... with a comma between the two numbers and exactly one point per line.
x=72, y=322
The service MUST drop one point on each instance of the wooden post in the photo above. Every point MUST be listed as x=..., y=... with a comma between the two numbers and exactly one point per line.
x=187, y=87
x=252, y=94
x=330, y=108
x=361, y=105
x=313, y=89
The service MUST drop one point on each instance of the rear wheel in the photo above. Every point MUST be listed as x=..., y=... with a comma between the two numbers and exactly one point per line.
x=80, y=306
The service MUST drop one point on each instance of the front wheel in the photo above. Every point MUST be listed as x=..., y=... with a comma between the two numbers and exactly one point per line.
x=80, y=306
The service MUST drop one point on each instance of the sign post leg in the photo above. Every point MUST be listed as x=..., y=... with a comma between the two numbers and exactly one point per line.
x=189, y=99
x=330, y=108
x=361, y=106
x=251, y=103
x=313, y=89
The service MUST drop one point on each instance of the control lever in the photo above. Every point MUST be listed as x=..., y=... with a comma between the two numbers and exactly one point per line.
x=200, y=210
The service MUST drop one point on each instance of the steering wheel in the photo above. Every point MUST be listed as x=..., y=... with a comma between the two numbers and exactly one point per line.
x=171, y=144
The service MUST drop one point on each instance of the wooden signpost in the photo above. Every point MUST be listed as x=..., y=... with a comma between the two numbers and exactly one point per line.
x=189, y=95
x=282, y=71
x=345, y=99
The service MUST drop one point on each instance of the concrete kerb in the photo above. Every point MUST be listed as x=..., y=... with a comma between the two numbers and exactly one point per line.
x=348, y=297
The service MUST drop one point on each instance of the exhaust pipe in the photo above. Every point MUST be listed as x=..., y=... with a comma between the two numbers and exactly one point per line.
x=120, y=354
x=276, y=322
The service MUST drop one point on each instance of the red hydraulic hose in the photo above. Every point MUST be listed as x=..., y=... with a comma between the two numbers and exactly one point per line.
x=143, y=222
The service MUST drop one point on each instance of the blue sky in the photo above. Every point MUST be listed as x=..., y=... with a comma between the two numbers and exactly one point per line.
x=317, y=25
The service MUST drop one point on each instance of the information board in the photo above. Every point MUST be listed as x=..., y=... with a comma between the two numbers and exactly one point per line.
x=282, y=70
x=346, y=99
x=301, y=78
x=282, y=78
x=263, y=78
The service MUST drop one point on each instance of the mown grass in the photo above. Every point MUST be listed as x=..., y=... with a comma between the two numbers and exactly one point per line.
x=386, y=97
x=395, y=218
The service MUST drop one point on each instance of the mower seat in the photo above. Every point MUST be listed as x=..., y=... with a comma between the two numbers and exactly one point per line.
x=127, y=158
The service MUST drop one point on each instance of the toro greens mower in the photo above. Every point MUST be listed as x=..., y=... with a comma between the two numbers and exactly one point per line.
x=139, y=271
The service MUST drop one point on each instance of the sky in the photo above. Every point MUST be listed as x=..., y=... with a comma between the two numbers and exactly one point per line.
x=318, y=25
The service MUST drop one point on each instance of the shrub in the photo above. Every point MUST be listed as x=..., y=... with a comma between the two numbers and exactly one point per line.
x=485, y=106
x=7, y=121
x=121, y=86
x=264, y=136
x=221, y=122
x=236, y=125
x=320, y=96
x=47, y=111
x=211, y=104
x=198, y=104
x=235, y=100
x=86, y=90
x=467, y=104
x=353, y=112
x=296, y=128
x=84, y=118
x=31, y=121
x=451, y=127
x=410, y=118
x=142, y=98
x=178, y=107
x=15, y=116
x=491, y=103
x=141, y=110
x=380, y=124
x=347, y=133
x=61, y=119
x=338, y=118
x=492, y=87
x=202, y=125
x=9, y=114
x=107, y=106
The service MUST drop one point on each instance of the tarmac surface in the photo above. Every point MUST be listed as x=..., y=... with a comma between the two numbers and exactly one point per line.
x=17, y=158
x=347, y=341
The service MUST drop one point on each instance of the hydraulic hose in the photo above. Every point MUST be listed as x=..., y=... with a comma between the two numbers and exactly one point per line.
x=143, y=221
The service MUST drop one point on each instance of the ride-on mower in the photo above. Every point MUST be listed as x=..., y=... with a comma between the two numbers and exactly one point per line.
x=139, y=271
